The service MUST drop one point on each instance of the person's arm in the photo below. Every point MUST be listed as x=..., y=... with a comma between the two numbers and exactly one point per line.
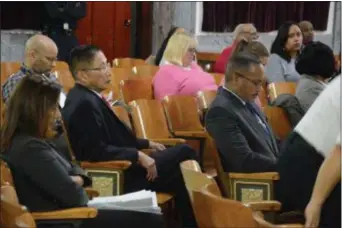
x=143, y=143
x=233, y=145
x=78, y=171
x=88, y=138
x=274, y=70
x=9, y=86
x=44, y=169
x=328, y=176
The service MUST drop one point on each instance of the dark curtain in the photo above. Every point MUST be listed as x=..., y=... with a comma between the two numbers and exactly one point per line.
x=21, y=15
x=266, y=16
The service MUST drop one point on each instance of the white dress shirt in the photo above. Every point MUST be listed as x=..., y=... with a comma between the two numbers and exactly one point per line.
x=321, y=125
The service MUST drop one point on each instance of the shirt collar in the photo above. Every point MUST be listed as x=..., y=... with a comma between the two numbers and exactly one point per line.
x=98, y=94
x=230, y=91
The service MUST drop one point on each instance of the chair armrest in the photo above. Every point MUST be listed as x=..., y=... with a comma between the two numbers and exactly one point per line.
x=262, y=223
x=185, y=134
x=122, y=165
x=256, y=176
x=169, y=141
x=266, y=205
x=74, y=213
x=92, y=193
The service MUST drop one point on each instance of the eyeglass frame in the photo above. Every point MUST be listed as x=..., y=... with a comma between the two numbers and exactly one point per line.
x=104, y=69
x=257, y=84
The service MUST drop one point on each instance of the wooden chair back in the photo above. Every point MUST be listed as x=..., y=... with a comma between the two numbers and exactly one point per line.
x=122, y=114
x=5, y=174
x=8, y=68
x=148, y=119
x=263, y=97
x=277, y=88
x=12, y=213
x=128, y=62
x=119, y=74
x=279, y=121
x=218, y=78
x=61, y=65
x=135, y=89
x=182, y=113
x=204, y=99
x=193, y=177
x=215, y=211
x=143, y=71
x=65, y=79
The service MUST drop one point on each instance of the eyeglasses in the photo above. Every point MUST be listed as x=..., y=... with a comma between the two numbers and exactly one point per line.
x=103, y=69
x=257, y=83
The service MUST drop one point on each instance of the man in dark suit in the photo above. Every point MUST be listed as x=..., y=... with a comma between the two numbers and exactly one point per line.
x=243, y=138
x=97, y=134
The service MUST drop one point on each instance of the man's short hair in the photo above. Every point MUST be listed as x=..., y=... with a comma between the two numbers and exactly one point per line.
x=240, y=62
x=81, y=56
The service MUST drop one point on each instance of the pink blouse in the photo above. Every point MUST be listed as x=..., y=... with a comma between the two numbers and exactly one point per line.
x=175, y=80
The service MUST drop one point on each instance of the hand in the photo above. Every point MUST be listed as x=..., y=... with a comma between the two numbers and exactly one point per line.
x=149, y=164
x=78, y=180
x=312, y=215
x=156, y=146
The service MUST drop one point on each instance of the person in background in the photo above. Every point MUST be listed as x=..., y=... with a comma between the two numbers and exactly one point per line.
x=59, y=22
x=308, y=32
x=242, y=31
x=44, y=180
x=162, y=48
x=244, y=139
x=179, y=73
x=284, y=51
x=309, y=147
x=316, y=65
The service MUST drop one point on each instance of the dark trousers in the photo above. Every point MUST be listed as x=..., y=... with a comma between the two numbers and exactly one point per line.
x=298, y=166
x=169, y=180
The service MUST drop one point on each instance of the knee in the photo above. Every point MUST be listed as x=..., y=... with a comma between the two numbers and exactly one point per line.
x=187, y=152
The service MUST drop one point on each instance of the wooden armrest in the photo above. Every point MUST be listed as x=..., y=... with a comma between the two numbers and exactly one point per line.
x=122, y=165
x=197, y=134
x=266, y=205
x=256, y=176
x=92, y=192
x=169, y=141
x=74, y=213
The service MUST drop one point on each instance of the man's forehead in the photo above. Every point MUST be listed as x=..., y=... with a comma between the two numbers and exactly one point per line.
x=99, y=58
x=252, y=70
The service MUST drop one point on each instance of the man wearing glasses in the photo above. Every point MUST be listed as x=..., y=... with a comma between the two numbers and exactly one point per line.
x=242, y=135
x=243, y=31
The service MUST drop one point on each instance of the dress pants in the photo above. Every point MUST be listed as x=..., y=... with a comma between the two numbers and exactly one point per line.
x=298, y=166
x=169, y=180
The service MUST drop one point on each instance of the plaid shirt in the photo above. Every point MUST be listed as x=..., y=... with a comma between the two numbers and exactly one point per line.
x=11, y=83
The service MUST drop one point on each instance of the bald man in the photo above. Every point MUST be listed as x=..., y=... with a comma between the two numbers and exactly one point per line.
x=40, y=57
x=307, y=29
x=242, y=31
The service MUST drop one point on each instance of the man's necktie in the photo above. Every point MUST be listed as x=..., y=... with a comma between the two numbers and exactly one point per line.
x=255, y=113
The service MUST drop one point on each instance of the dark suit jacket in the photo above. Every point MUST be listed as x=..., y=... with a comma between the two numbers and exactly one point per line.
x=95, y=132
x=242, y=142
x=42, y=176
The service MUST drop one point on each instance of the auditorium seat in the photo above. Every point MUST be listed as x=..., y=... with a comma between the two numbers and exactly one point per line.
x=8, y=68
x=277, y=88
x=218, y=78
x=65, y=79
x=134, y=89
x=128, y=62
x=143, y=71
x=122, y=114
x=119, y=74
x=149, y=122
x=279, y=121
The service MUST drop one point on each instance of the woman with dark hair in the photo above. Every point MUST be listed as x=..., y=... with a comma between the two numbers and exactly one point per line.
x=284, y=51
x=44, y=180
x=316, y=64
x=162, y=48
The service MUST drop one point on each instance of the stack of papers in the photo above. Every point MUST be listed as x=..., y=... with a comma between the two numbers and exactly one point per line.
x=142, y=201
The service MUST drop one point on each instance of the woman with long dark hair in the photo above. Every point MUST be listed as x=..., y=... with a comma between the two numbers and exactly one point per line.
x=284, y=51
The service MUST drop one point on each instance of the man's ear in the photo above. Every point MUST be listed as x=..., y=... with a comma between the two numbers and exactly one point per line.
x=81, y=76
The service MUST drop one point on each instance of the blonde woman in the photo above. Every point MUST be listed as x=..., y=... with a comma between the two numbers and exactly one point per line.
x=179, y=73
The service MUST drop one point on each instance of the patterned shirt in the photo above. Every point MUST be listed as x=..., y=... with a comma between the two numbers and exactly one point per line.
x=11, y=83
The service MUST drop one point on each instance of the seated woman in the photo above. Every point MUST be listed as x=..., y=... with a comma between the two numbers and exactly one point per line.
x=312, y=142
x=44, y=180
x=284, y=51
x=256, y=48
x=180, y=74
x=316, y=64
